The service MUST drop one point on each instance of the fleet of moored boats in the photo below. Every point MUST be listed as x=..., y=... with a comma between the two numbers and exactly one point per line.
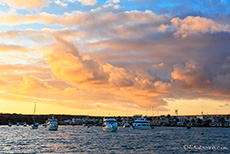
x=109, y=124
x=51, y=124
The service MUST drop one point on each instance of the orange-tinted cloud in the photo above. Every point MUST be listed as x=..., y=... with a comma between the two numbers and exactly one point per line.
x=33, y=5
x=88, y=2
x=108, y=58
x=132, y=86
x=67, y=64
x=192, y=25
x=14, y=48
x=191, y=75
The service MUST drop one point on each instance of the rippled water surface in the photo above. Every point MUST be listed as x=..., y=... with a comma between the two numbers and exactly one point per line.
x=78, y=139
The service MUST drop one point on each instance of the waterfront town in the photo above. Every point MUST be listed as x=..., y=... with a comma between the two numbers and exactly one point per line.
x=163, y=120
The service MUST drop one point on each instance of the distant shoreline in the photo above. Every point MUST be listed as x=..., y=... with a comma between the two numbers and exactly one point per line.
x=153, y=126
x=77, y=115
x=157, y=121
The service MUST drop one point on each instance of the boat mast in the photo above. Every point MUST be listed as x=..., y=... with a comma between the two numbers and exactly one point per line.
x=34, y=112
x=34, y=108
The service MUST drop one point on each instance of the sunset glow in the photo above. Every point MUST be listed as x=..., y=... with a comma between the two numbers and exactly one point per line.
x=114, y=57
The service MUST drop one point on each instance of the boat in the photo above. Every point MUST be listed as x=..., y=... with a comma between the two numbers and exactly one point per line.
x=141, y=123
x=45, y=125
x=84, y=124
x=188, y=127
x=126, y=125
x=24, y=124
x=110, y=125
x=34, y=125
x=52, y=124
x=18, y=124
x=9, y=124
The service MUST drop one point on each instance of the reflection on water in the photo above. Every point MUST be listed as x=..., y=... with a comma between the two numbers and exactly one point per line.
x=78, y=139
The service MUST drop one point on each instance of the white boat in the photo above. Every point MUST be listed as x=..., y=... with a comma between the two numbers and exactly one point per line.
x=52, y=124
x=141, y=123
x=9, y=124
x=110, y=125
x=126, y=125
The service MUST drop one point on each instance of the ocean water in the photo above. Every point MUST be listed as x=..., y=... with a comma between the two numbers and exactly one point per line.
x=78, y=139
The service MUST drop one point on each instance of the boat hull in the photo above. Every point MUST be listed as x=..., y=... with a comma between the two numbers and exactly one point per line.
x=34, y=127
x=53, y=128
x=141, y=126
x=109, y=129
x=126, y=125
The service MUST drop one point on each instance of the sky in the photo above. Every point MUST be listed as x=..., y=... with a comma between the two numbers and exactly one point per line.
x=115, y=57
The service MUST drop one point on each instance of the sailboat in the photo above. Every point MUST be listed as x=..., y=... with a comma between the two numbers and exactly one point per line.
x=126, y=125
x=34, y=125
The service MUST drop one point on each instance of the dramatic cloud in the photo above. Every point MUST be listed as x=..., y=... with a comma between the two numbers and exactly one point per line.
x=83, y=72
x=67, y=64
x=104, y=55
x=191, y=75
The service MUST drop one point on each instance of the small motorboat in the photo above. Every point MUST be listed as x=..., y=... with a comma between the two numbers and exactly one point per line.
x=84, y=124
x=188, y=127
x=35, y=126
x=9, y=124
x=110, y=125
x=52, y=124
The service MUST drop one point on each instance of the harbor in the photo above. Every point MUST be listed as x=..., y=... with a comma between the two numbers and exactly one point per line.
x=163, y=120
x=80, y=139
x=115, y=76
